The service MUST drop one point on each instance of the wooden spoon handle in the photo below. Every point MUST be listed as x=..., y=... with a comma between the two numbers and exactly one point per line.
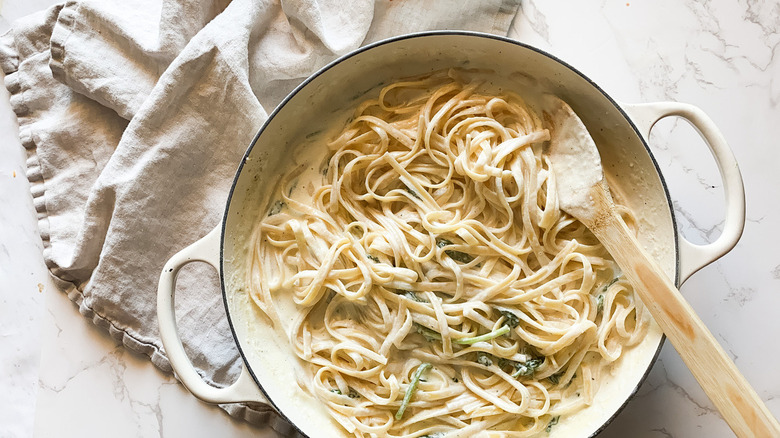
x=736, y=400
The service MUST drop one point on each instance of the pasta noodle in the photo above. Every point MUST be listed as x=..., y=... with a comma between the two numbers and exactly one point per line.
x=439, y=289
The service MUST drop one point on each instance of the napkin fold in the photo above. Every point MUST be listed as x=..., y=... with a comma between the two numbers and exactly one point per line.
x=135, y=116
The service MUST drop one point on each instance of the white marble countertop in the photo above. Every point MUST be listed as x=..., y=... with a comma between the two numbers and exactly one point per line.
x=64, y=377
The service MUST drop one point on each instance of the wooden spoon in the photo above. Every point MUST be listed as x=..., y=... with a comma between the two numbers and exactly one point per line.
x=583, y=193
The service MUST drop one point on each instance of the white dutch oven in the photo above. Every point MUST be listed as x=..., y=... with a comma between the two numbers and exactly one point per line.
x=620, y=130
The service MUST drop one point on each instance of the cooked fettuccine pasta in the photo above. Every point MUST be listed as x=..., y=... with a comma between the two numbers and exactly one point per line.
x=439, y=290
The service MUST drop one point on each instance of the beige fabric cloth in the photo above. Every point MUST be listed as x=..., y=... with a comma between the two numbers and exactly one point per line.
x=135, y=115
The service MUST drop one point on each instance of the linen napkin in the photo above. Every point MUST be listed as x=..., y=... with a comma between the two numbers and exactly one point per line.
x=135, y=115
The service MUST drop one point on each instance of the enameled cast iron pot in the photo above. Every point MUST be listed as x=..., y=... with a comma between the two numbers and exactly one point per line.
x=620, y=131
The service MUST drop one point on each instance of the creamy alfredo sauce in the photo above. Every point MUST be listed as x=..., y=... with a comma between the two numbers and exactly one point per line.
x=281, y=367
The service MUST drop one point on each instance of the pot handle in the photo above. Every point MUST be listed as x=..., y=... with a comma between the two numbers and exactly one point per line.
x=692, y=256
x=244, y=389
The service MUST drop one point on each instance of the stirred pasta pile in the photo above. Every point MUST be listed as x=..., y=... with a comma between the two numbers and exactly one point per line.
x=439, y=289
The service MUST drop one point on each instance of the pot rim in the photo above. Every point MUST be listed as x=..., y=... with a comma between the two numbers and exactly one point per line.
x=424, y=34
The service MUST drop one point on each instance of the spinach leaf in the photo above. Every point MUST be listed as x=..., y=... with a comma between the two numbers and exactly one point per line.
x=458, y=256
x=442, y=242
x=352, y=393
x=528, y=367
x=553, y=422
x=412, y=192
x=510, y=318
x=412, y=296
x=556, y=378
x=276, y=208
x=430, y=335
x=484, y=359
x=608, y=285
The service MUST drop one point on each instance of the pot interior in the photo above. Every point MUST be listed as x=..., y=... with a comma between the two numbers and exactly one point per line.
x=325, y=101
